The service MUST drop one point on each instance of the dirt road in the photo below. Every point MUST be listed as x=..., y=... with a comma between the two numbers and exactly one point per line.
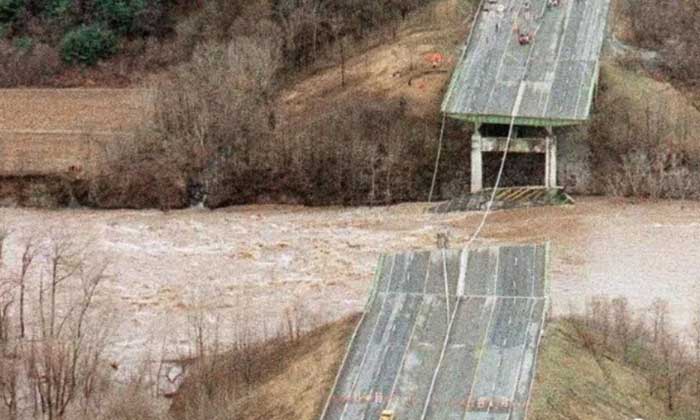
x=256, y=262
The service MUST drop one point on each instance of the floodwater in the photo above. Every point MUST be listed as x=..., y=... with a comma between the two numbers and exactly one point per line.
x=258, y=265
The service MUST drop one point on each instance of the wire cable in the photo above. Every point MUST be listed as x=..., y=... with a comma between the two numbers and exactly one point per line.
x=437, y=158
x=514, y=113
x=489, y=205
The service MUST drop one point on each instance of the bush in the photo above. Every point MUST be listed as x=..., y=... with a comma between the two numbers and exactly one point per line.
x=310, y=25
x=671, y=30
x=642, y=142
x=87, y=45
x=129, y=17
x=216, y=135
x=364, y=151
x=10, y=10
x=118, y=14
x=24, y=43
x=59, y=8
x=20, y=67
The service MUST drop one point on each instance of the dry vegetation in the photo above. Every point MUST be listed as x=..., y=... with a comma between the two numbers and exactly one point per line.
x=673, y=30
x=610, y=363
x=55, y=43
x=286, y=378
x=52, y=334
x=221, y=136
x=643, y=138
x=54, y=330
x=321, y=144
x=309, y=102
x=31, y=67
x=643, y=135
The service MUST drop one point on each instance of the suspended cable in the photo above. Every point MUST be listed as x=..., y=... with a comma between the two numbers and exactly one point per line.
x=437, y=158
x=515, y=111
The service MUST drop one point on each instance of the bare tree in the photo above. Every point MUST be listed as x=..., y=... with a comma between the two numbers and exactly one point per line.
x=622, y=321
x=6, y=297
x=337, y=25
x=674, y=372
x=8, y=366
x=695, y=336
x=28, y=255
x=598, y=316
x=63, y=356
x=659, y=309
x=9, y=386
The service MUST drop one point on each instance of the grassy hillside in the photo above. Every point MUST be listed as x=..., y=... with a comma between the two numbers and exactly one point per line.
x=572, y=384
x=642, y=98
x=643, y=136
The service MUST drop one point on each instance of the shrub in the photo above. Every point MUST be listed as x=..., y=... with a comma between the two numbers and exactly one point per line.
x=118, y=14
x=59, y=8
x=24, y=43
x=10, y=10
x=129, y=17
x=27, y=67
x=642, y=148
x=215, y=134
x=672, y=30
x=87, y=45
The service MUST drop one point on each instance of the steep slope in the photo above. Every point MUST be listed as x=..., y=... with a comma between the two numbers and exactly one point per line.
x=651, y=102
x=572, y=384
x=412, y=66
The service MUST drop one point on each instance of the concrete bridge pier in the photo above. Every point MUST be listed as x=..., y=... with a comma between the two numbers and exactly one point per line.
x=477, y=181
x=484, y=140
x=550, y=169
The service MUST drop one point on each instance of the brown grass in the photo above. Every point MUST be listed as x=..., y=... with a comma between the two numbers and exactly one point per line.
x=614, y=363
x=82, y=110
x=276, y=380
x=644, y=137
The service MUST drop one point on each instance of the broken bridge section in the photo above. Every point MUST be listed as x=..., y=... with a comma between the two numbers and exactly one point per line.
x=506, y=199
x=527, y=64
x=447, y=334
x=554, y=74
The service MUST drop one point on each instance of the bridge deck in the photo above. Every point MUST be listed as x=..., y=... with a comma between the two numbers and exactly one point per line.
x=558, y=68
x=447, y=334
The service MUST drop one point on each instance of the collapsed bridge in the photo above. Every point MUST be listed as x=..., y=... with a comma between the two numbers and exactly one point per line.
x=532, y=65
x=447, y=334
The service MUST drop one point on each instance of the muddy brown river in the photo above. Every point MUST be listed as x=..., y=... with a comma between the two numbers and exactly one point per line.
x=248, y=266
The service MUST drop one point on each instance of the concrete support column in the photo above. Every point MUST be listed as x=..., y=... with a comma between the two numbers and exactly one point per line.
x=477, y=182
x=550, y=171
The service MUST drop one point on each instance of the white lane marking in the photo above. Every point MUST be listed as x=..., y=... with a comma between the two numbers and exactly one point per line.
x=447, y=291
x=537, y=350
x=463, y=261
